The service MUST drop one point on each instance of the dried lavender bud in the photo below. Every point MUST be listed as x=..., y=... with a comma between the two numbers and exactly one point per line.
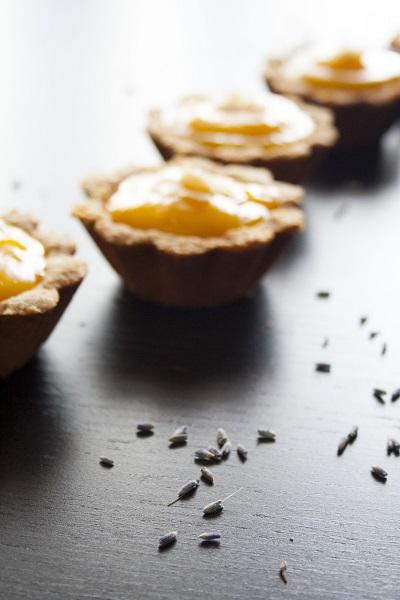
x=266, y=435
x=215, y=452
x=221, y=437
x=182, y=430
x=106, y=462
x=379, y=395
x=395, y=395
x=145, y=428
x=210, y=537
x=393, y=447
x=379, y=474
x=323, y=367
x=207, y=475
x=226, y=449
x=342, y=446
x=352, y=436
x=188, y=488
x=167, y=539
x=213, y=508
x=203, y=454
x=283, y=571
x=242, y=452
x=179, y=436
x=217, y=506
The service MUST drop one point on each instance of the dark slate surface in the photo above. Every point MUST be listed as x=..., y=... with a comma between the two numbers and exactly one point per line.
x=77, y=78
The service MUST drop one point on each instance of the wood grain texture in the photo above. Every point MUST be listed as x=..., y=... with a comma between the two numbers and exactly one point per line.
x=77, y=80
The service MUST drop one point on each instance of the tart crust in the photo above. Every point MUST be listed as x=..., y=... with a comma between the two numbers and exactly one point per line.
x=189, y=271
x=361, y=116
x=27, y=319
x=293, y=163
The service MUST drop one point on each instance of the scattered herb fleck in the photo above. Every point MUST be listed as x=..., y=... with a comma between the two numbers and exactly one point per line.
x=242, y=452
x=221, y=437
x=395, y=395
x=363, y=320
x=393, y=447
x=207, y=475
x=217, y=454
x=384, y=349
x=379, y=395
x=106, y=462
x=379, y=474
x=323, y=367
x=283, y=571
x=342, y=446
x=145, y=428
x=167, y=539
x=265, y=435
x=188, y=488
x=325, y=343
x=179, y=437
x=226, y=449
x=349, y=439
x=210, y=537
x=217, y=506
x=323, y=294
x=213, y=508
x=352, y=436
x=373, y=334
x=203, y=454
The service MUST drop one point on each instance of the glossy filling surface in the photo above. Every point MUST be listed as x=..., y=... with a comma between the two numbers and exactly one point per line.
x=350, y=69
x=22, y=261
x=188, y=200
x=235, y=121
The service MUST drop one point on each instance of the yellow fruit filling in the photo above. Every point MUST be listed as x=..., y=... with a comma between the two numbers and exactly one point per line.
x=346, y=69
x=22, y=261
x=190, y=200
x=236, y=121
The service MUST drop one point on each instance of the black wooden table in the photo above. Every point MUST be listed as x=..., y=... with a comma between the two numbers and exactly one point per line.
x=77, y=79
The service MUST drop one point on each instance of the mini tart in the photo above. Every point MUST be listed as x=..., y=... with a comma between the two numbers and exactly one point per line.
x=28, y=318
x=191, y=271
x=284, y=135
x=361, y=87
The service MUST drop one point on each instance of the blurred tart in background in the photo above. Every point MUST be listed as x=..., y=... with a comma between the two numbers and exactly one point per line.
x=395, y=44
x=191, y=233
x=266, y=130
x=360, y=86
x=38, y=277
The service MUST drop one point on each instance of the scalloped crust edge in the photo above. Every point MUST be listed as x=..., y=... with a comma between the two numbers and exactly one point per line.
x=183, y=271
x=27, y=320
x=294, y=168
x=361, y=122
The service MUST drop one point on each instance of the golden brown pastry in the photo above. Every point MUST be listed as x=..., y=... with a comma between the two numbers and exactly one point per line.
x=38, y=277
x=287, y=137
x=191, y=233
x=360, y=86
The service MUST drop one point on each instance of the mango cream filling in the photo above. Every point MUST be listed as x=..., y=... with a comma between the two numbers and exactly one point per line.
x=236, y=121
x=346, y=69
x=186, y=200
x=22, y=261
